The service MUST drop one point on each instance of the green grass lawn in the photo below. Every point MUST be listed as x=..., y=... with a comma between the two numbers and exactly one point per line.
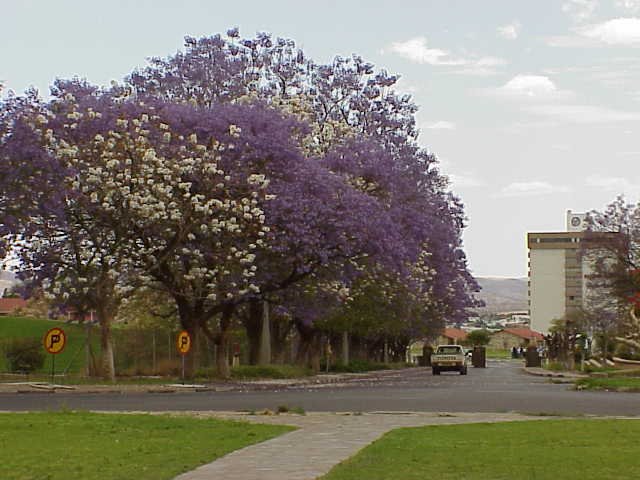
x=541, y=450
x=87, y=446
x=609, y=383
x=73, y=356
x=498, y=354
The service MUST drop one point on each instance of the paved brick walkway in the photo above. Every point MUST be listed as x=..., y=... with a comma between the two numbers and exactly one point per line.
x=322, y=441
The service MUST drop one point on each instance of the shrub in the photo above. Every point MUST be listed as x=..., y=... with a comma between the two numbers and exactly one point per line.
x=478, y=337
x=25, y=355
x=287, y=409
x=556, y=366
x=626, y=352
x=360, y=366
x=205, y=373
x=269, y=371
x=168, y=368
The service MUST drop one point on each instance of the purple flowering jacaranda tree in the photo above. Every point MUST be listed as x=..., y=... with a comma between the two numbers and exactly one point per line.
x=359, y=128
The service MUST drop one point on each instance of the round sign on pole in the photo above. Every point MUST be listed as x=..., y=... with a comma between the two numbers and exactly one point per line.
x=55, y=340
x=184, y=342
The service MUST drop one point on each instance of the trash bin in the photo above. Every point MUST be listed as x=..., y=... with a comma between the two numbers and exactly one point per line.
x=427, y=350
x=532, y=357
x=479, y=357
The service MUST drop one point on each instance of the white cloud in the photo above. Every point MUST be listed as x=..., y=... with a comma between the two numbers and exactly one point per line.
x=580, y=10
x=530, y=87
x=632, y=6
x=510, y=31
x=614, y=184
x=618, y=31
x=529, y=189
x=618, y=73
x=583, y=114
x=540, y=96
x=441, y=125
x=417, y=51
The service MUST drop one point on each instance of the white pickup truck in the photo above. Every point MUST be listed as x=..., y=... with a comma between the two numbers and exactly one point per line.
x=449, y=358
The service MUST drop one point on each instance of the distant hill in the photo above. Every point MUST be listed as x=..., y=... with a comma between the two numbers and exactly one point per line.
x=503, y=294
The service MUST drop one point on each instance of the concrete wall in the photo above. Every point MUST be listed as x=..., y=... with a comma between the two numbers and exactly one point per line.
x=547, y=289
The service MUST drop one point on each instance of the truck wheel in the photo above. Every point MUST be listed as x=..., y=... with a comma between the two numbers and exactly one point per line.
x=435, y=371
x=463, y=371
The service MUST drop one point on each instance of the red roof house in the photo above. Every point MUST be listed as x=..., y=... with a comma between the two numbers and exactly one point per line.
x=525, y=333
x=515, y=337
x=452, y=336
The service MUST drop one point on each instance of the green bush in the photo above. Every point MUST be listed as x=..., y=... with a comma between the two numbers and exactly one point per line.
x=555, y=366
x=287, y=409
x=626, y=352
x=269, y=371
x=478, y=337
x=360, y=366
x=25, y=355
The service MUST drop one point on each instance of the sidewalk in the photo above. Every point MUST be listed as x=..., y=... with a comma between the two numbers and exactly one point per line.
x=322, y=441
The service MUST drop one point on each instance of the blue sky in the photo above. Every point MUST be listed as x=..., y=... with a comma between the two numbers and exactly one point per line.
x=533, y=107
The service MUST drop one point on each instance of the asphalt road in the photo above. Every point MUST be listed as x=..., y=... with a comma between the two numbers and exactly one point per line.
x=502, y=387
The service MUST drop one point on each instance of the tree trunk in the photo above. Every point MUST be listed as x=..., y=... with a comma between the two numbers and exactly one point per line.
x=106, y=347
x=154, y=356
x=316, y=353
x=191, y=363
x=222, y=356
x=88, y=348
x=385, y=354
x=605, y=348
x=265, y=337
x=192, y=320
x=310, y=347
x=222, y=342
x=345, y=348
x=307, y=336
x=280, y=329
x=252, y=322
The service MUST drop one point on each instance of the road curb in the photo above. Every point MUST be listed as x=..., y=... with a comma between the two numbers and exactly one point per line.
x=539, y=372
x=315, y=381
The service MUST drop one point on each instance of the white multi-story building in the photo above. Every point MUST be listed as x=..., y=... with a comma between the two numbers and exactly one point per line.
x=557, y=273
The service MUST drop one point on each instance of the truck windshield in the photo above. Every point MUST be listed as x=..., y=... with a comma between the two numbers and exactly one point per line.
x=451, y=350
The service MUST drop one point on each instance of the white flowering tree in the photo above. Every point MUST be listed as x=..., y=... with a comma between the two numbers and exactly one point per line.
x=145, y=201
x=49, y=222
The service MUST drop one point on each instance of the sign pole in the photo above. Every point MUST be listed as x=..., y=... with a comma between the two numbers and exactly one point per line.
x=184, y=345
x=54, y=342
